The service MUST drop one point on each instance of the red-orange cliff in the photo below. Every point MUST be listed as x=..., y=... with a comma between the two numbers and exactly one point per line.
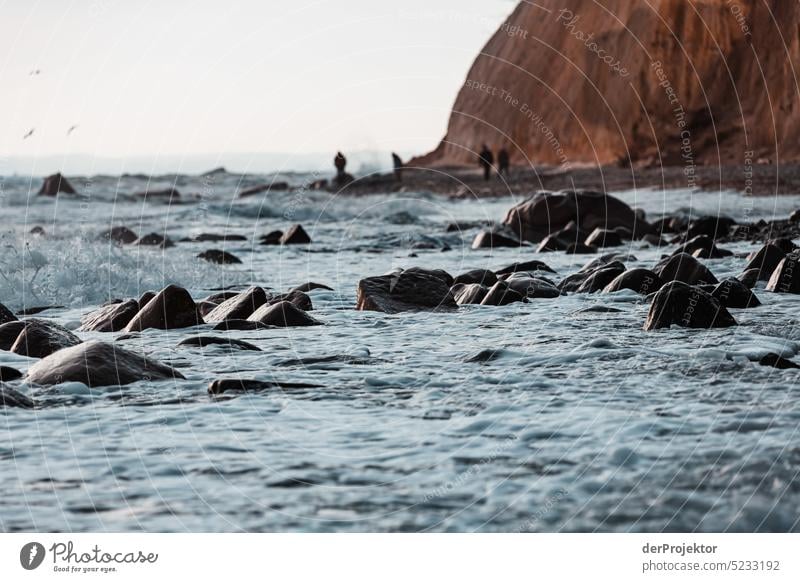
x=673, y=82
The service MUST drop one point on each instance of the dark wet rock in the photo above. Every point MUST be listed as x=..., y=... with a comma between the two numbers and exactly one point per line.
x=413, y=289
x=9, y=332
x=749, y=278
x=272, y=238
x=236, y=385
x=39, y=339
x=253, y=190
x=98, y=364
x=734, y=294
x=786, y=276
x=214, y=237
x=145, y=299
x=548, y=212
x=219, y=257
x=552, y=243
x=603, y=238
x=711, y=226
x=311, y=286
x=687, y=306
x=469, y=293
x=163, y=195
x=38, y=309
x=602, y=277
x=482, y=276
x=794, y=216
x=296, y=298
x=221, y=296
x=580, y=249
x=154, y=240
x=240, y=306
x=604, y=260
x=119, y=234
x=527, y=266
x=296, y=235
x=596, y=309
x=112, y=317
x=776, y=361
x=172, y=308
x=642, y=281
x=6, y=315
x=205, y=307
x=9, y=374
x=501, y=294
x=533, y=287
x=342, y=180
x=54, y=184
x=240, y=325
x=702, y=247
x=11, y=398
x=684, y=268
x=783, y=243
x=38, y=231
x=204, y=340
x=485, y=356
x=765, y=261
x=654, y=240
x=495, y=238
x=283, y=314
x=333, y=360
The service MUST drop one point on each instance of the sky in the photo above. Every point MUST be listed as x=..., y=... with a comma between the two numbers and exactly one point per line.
x=177, y=79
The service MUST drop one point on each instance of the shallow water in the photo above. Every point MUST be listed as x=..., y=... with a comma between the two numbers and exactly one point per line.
x=529, y=417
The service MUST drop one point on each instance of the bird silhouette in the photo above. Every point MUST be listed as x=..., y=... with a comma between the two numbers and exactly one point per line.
x=34, y=72
x=71, y=129
x=30, y=133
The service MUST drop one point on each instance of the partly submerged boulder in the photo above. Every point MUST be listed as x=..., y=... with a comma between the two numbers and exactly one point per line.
x=642, y=281
x=501, y=294
x=734, y=294
x=240, y=306
x=469, y=293
x=39, y=338
x=296, y=235
x=11, y=398
x=283, y=314
x=413, y=289
x=120, y=235
x=113, y=317
x=6, y=315
x=172, y=308
x=219, y=257
x=687, y=306
x=765, y=261
x=786, y=276
x=98, y=364
x=684, y=268
x=54, y=184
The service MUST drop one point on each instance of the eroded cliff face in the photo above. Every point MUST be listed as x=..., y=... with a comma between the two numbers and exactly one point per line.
x=673, y=82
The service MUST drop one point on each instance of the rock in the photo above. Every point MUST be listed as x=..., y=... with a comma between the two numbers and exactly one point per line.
x=9, y=332
x=765, y=261
x=98, y=364
x=214, y=237
x=163, y=195
x=681, y=304
x=734, y=294
x=11, y=398
x=6, y=315
x=272, y=238
x=532, y=287
x=527, y=266
x=654, y=240
x=252, y=191
x=119, y=234
x=684, y=268
x=38, y=231
x=469, y=293
x=39, y=339
x=296, y=235
x=9, y=374
x=154, y=240
x=482, y=276
x=39, y=309
x=786, y=276
x=494, y=239
x=220, y=297
x=203, y=341
x=551, y=243
x=296, y=298
x=54, y=184
x=713, y=227
x=642, y=281
x=599, y=279
x=342, y=180
x=580, y=249
x=146, y=297
x=603, y=238
x=783, y=243
x=219, y=257
x=749, y=278
x=205, y=307
x=310, y=286
x=794, y=216
x=240, y=306
x=234, y=384
x=112, y=317
x=409, y=290
x=501, y=294
x=776, y=361
x=239, y=325
x=283, y=314
x=702, y=247
x=171, y=308
x=548, y=212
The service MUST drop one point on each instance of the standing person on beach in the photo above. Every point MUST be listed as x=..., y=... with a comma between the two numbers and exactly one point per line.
x=398, y=166
x=340, y=162
x=503, y=162
x=486, y=160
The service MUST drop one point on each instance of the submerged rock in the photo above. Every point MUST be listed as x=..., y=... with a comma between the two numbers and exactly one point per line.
x=526, y=266
x=236, y=385
x=296, y=235
x=310, y=286
x=778, y=362
x=154, y=240
x=469, y=293
x=495, y=239
x=54, y=184
x=112, y=317
x=642, y=281
x=413, y=289
x=119, y=234
x=734, y=294
x=786, y=277
x=219, y=257
x=501, y=294
x=603, y=238
x=480, y=276
x=6, y=315
x=596, y=272
x=239, y=325
x=240, y=306
x=9, y=332
x=532, y=287
x=272, y=238
x=9, y=374
x=687, y=306
x=98, y=364
x=205, y=340
x=11, y=398
x=171, y=308
x=765, y=261
x=40, y=338
x=702, y=247
x=283, y=314
x=684, y=268
x=296, y=298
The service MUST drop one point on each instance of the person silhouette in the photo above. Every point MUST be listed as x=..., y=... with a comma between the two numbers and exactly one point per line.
x=398, y=166
x=486, y=160
x=503, y=162
x=340, y=162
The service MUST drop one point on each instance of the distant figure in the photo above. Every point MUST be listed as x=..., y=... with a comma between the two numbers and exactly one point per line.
x=486, y=160
x=398, y=166
x=71, y=129
x=340, y=162
x=30, y=133
x=503, y=162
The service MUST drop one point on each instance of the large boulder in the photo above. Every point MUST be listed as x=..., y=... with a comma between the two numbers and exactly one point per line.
x=642, y=281
x=595, y=273
x=469, y=293
x=687, y=306
x=481, y=276
x=172, y=308
x=532, y=287
x=119, y=234
x=39, y=339
x=765, y=261
x=6, y=315
x=413, y=289
x=98, y=364
x=502, y=294
x=240, y=306
x=684, y=268
x=283, y=314
x=113, y=317
x=296, y=235
x=734, y=294
x=548, y=212
x=9, y=332
x=495, y=238
x=602, y=238
x=297, y=298
x=54, y=184
x=786, y=276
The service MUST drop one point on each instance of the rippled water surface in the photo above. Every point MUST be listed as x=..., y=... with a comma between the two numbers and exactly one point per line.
x=528, y=417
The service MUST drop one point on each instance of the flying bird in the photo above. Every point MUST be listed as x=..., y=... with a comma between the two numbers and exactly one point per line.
x=34, y=72
x=71, y=129
x=30, y=133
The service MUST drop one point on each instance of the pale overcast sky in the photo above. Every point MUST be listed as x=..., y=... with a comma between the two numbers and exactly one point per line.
x=202, y=76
